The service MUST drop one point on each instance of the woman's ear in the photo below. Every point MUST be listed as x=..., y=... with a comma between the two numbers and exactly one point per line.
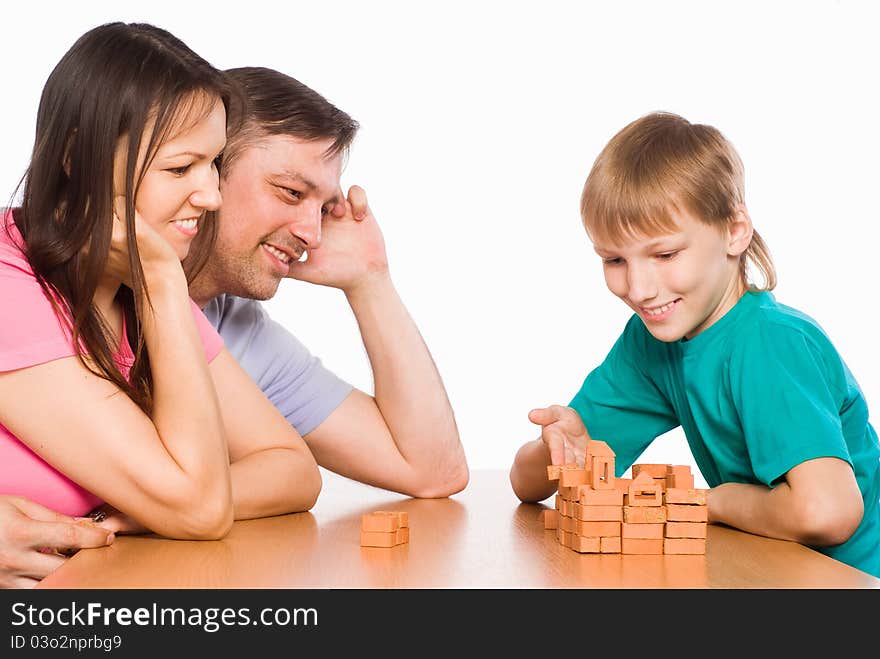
x=739, y=231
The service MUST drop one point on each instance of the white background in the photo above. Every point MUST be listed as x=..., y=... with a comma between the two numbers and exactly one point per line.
x=480, y=121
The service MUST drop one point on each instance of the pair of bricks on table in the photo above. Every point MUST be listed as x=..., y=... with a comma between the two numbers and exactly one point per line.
x=384, y=528
x=657, y=511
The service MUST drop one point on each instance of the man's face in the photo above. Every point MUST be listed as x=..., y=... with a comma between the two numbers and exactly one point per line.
x=679, y=283
x=275, y=196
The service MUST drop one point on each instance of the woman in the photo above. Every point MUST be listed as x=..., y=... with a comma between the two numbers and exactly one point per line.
x=114, y=389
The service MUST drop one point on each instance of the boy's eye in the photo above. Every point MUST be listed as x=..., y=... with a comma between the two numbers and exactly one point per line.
x=665, y=256
x=613, y=261
x=296, y=194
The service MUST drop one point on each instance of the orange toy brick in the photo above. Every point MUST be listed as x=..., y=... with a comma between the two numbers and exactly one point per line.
x=551, y=519
x=383, y=521
x=641, y=546
x=585, y=545
x=644, y=492
x=598, y=513
x=686, y=513
x=609, y=545
x=644, y=514
x=686, y=529
x=684, y=546
x=602, y=472
x=573, y=477
x=652, y=470
x=553, y=472
x=597, y=529
x=587, y=496
x=646, y=531
x=691, y=496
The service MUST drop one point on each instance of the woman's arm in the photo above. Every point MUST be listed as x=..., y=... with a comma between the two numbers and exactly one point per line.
x=170, y=472
x=273, y=472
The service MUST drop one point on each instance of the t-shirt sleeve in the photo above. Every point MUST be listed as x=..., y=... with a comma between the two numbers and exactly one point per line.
x=30, y=332
x=620, y=403
x=290, y=376
x=211, y=340
x=787, y=388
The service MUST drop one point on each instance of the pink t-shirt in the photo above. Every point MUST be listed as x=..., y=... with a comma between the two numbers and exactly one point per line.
x=31, y=334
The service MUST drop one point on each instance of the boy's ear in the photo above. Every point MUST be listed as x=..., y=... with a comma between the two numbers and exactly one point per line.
x=739, y=232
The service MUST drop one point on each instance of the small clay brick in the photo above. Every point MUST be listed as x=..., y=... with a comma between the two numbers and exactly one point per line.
x=678, y=470
x=684, y=546
x=653, y=470
x=643, y=491
x=682, y=481
x=585, y=545
x=557, y=500
x=646, y=531
x=404, y=518
x=622, y=484
x=661, y=483
x=553, y=472
x=591, y=497
x=609, y=545
x=568, y=539
x=598, y=447
x=567, y=510
x=644, y=514
x=567, y=524
x=598, y=513
x=602, y=472
x=686, y=529
x=597, y=529
x=641, y=546
x=403, y=535
x=686, y=496
x=568, y=493
x=378, y=539
x=572, y=477
x=380, y=521
x=686, y=513
x=560, y=535
x=551, y=519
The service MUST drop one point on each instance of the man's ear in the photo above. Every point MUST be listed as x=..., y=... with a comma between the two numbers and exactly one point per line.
x=739, y=231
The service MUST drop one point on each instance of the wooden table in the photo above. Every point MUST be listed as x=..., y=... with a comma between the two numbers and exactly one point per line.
x=482, y=537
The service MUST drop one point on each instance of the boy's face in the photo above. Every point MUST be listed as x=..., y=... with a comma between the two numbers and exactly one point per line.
x=678, y=283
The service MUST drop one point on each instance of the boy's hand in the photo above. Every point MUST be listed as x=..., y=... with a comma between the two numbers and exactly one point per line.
x=563, y=432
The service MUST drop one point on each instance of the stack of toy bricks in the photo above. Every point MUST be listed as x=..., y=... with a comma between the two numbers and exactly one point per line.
x=657, y=511
x=384, y=528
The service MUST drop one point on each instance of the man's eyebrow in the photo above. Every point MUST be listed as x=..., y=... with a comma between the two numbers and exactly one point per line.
x=311, y=185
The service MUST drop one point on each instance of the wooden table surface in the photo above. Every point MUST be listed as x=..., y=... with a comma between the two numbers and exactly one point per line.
x=482, y=537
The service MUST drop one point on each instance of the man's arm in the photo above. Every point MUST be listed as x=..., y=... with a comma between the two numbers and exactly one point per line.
x=404, y=438
x=27, y=529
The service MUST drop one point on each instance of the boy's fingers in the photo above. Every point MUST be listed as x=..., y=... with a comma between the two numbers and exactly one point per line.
x=542, y=416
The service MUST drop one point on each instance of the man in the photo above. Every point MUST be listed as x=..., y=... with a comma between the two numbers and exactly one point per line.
x=284, y=215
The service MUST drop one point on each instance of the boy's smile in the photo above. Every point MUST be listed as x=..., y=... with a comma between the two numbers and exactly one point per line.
x=679, y=283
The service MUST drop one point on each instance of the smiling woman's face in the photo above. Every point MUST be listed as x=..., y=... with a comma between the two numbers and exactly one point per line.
x=181, y=182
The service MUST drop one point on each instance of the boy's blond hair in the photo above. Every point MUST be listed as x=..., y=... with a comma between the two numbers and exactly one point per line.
x=662, y=162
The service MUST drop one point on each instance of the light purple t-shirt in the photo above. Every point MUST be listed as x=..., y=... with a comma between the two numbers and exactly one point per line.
x=292, y=378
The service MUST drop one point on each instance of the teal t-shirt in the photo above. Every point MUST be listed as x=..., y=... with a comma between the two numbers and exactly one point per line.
x=757, y=393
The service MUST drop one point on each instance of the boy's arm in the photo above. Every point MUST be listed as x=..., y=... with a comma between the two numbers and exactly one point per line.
x=818, y=503
x=563, y=440
x=528, y=475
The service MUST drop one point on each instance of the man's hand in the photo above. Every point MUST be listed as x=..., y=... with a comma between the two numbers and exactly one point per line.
x=564, y=433
x=352, y=250
x=33, y=538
